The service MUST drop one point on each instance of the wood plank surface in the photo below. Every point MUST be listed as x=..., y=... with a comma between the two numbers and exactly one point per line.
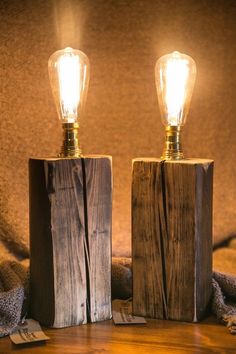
x=77, y=211
x=68, y=234
x=204, y=197
x=148, y=287
x=172, y=236
x=188, y=197
x=158, y=336
x=99, y=205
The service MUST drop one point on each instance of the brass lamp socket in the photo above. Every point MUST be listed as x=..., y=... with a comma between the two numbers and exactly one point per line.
x=70, y=146
x=173, y=149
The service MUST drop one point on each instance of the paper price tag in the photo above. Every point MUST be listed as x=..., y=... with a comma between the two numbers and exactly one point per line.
x=122, y=313
x=28, y=332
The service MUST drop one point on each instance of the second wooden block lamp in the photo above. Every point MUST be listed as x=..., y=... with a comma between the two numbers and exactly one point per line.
x=70, y=213
x=172, y=211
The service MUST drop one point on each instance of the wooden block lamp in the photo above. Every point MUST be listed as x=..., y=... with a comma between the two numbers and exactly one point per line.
x=172, y=211
x=70, y=213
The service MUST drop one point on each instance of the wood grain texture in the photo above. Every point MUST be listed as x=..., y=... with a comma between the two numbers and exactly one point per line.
x=146, y=241
x=65, y=192
x=77, y=205
x=158, y=336
x=180, y=197
x=99, y=191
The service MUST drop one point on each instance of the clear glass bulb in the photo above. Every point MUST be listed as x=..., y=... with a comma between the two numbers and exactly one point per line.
x=175, y=75
x=69, y=77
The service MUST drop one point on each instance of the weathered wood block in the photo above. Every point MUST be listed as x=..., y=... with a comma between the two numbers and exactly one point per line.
x=172, y=238
x=70, y=240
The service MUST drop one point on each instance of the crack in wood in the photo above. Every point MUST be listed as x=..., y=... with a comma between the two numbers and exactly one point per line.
x=70, y=237
x=86, y=241
x=163, y=236
x=171, y=238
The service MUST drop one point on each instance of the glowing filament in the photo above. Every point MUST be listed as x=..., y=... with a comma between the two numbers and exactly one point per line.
x=177, y=73
x=69, y=85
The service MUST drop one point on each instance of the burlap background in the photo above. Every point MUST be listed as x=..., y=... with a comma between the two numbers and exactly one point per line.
x=123, y=40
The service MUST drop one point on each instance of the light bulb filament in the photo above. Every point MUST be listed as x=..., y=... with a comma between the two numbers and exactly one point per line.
x=69, y=83
x=177, y=72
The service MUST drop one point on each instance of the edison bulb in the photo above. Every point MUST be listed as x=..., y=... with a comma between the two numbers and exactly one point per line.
x=69, y=77
x=175, y=75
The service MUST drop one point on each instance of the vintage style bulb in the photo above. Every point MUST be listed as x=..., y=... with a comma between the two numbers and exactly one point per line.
x=69, y=77
x=175, y=75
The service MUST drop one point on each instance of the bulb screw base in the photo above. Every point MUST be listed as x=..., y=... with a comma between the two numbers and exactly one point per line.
x=173, y=149
x=70, y=146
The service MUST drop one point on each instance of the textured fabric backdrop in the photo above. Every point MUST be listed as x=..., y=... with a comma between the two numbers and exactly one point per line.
x=123, y=40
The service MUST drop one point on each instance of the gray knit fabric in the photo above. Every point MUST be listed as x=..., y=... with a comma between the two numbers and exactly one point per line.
x=13, y=295
x=224, y=299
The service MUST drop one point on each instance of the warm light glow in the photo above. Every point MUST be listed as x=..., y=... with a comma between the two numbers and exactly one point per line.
x=175, y=77
x=69, y=77
x=70, y=84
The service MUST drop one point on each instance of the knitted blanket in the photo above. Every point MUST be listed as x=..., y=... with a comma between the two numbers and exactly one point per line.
x=14, y=288
x=13, y=295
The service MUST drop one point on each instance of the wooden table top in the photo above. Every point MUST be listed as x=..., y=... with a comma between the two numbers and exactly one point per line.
x=157, y=336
